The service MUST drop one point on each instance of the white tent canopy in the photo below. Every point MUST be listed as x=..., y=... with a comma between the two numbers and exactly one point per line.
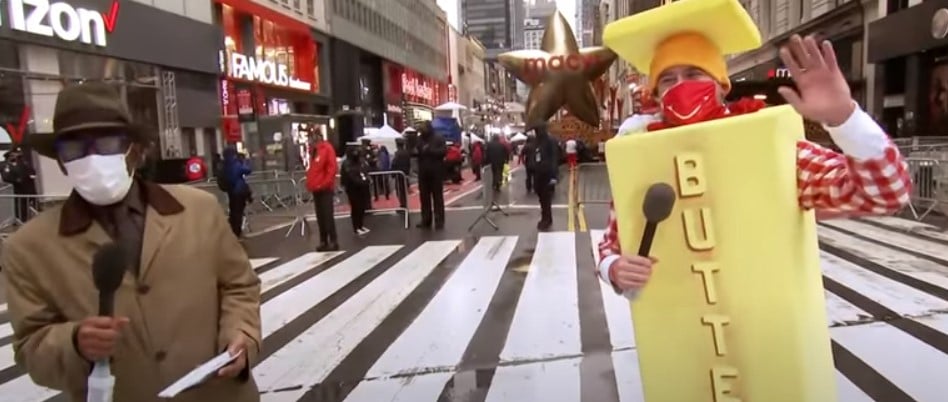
x=451, y=106
x=518, y=137
x=384, y=132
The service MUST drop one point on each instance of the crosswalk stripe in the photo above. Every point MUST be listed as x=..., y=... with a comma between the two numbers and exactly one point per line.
x=921, y=269
x=285, y=272
x=842, y=312
x=546, y=320
x=917, y=368
x=625, y=363
x=257, y=263
x=914, y=228
x=423, y=387
x=556, y=380
x=439, y=335
x=848, y=392
x=289, y=373
x=283, y=308
x=617, y=308
x=896, y=296
x=899, y=241
x=541, y=352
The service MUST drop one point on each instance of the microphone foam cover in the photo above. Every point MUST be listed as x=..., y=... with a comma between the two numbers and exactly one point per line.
x=108, y=267
x=659, y=200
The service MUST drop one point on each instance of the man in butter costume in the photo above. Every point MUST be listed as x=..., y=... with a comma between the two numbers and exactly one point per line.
x=735, y=309
x=688, y=74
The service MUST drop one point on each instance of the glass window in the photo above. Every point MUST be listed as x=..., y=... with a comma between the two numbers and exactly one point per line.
x=310, y=8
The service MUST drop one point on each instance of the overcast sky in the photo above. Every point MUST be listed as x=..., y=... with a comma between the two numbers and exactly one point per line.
x=567, y=7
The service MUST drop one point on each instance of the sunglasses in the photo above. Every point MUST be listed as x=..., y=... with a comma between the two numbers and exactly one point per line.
x=71, y=148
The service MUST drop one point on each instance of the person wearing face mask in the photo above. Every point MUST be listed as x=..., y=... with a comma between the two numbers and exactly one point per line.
x=688, y=73
x=188, y=294
x=355, y=179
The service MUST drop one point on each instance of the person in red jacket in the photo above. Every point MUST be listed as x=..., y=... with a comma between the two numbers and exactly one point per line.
x=321, y=181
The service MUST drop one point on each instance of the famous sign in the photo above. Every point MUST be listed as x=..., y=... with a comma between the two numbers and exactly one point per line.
x=243, y=67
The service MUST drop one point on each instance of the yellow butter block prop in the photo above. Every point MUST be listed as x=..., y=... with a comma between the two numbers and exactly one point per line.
x=724, y=22
x=735, y=309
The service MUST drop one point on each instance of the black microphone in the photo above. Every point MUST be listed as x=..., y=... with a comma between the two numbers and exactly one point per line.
x=658, y=203
x=108, y=269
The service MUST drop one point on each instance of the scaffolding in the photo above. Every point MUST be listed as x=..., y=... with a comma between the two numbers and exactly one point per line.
x=171, y=130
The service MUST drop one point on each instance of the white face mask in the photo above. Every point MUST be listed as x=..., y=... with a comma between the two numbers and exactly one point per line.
x=100, y=179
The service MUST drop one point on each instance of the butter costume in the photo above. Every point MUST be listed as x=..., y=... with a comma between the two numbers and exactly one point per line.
x=869, y=176
x=734, y=310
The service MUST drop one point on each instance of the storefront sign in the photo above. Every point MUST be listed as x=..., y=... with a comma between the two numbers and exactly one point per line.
x=390, y=108
x=265, y=72
x=61, y=20
x=412, y=86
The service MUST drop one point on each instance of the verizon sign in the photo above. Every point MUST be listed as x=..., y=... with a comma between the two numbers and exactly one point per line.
x=59, y=19
x=247, y=68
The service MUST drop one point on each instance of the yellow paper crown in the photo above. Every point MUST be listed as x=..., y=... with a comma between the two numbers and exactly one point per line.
x=724, y=23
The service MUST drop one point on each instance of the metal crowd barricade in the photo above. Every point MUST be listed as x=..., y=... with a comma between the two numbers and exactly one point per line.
x=592, y=184
x=398, y=184
x=929, y=186
x=18, y=209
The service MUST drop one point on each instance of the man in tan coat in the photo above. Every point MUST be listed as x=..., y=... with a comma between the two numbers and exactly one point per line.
x=189, y=292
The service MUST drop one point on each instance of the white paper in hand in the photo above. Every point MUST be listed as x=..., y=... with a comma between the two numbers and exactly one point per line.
x=199, y=375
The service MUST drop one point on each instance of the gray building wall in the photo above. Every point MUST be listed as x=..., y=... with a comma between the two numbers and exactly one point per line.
x=412, y=33
x=490, y=22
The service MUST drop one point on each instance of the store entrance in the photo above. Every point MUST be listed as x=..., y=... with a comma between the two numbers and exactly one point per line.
x=285, y=140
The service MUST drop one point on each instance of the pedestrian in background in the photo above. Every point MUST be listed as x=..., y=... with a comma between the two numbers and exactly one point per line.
x=355, y=179
x=234, y=174
x=431, y=151
x=401, y=162
x=321, y=181
x=546, y=162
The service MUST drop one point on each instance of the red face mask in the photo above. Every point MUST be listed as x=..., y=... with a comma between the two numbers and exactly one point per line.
x=691, y=102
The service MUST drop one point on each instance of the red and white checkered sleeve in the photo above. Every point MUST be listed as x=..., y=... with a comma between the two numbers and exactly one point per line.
x=869, y=177
x=609, y=249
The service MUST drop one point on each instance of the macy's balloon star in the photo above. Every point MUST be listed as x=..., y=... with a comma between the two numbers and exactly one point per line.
x=559, y=74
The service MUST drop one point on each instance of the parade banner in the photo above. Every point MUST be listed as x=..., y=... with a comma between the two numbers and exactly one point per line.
x=734, y=310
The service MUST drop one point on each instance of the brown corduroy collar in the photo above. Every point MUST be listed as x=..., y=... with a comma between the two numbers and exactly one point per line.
x=77, y=215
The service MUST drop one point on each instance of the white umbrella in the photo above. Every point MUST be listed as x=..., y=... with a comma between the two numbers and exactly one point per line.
x=451, y=106
x=474, y=137
x=518, y=137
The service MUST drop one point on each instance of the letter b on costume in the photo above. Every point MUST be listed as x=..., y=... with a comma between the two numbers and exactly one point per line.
x=690, y=170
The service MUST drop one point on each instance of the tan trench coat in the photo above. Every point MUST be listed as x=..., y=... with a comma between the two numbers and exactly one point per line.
x=196, y=291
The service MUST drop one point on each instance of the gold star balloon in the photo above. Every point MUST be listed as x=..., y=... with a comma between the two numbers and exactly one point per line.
x=560, y=74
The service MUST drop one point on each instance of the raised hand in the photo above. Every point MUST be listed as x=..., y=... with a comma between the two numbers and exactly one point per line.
x=822, y=93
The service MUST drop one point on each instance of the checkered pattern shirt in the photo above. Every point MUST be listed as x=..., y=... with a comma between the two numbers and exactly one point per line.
x=832, y=182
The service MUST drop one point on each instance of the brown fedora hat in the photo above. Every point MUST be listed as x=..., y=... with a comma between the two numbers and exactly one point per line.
x=81, y=107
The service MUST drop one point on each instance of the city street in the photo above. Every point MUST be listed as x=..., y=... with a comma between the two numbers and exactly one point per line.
x=413, y=315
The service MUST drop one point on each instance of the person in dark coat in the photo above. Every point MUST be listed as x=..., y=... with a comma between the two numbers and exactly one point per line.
x=497, y=156
x=545, y=157
x=18, y=173
x=355, y=179
x=431, y=151
x=235, y=171
x=529, y=162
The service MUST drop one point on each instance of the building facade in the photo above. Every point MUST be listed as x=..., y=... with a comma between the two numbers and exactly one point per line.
x=389, y=58
x=490, y=21
x=760, y=72
x=169, y=81
x=471, y=78
x=272, y=69
x=908, y=45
